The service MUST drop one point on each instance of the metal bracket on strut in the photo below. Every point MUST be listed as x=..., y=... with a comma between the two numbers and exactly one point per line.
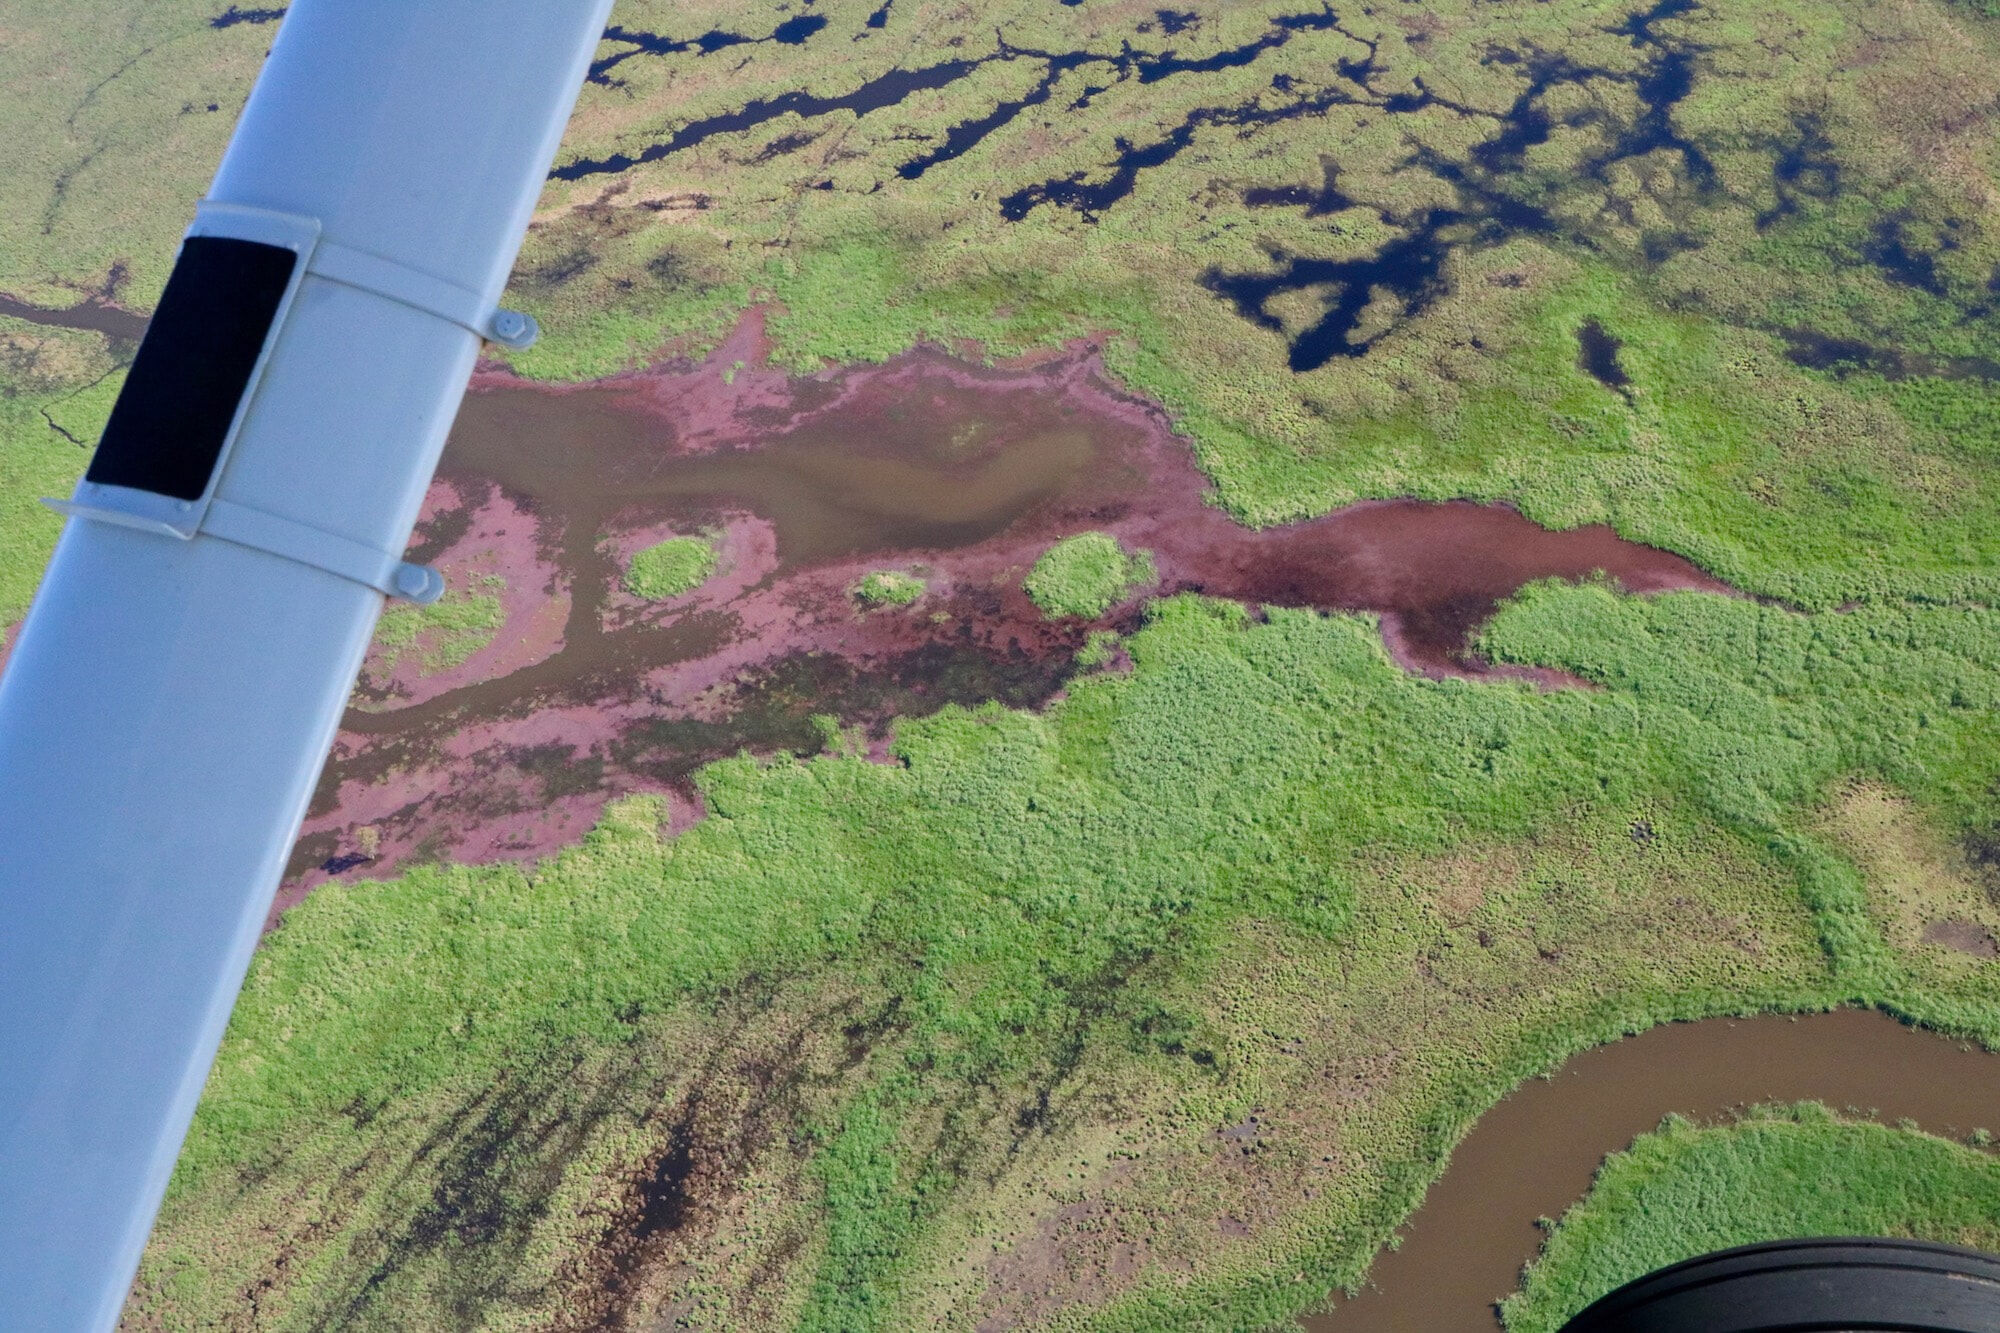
x=260, y=530
x=246, y=525
x=420, y=291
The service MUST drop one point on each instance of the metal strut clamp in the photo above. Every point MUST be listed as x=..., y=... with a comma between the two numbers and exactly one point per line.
x=420, y=291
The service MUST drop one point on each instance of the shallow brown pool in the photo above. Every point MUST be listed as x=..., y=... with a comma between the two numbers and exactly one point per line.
x=960, y=472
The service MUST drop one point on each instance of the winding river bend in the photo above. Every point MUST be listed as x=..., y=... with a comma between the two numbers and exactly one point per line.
x=1533, y=1155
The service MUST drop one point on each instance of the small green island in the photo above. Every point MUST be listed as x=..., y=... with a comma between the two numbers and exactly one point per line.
x=444, y=634
x=675, y=566
x=888, y=587
x=1086, y=575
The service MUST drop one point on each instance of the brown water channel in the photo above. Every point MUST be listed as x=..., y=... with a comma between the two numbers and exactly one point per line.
x=93, y=314
x=1533, y=1155
x=960, y=472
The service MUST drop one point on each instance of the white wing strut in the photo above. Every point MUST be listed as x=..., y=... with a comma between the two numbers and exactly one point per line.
x=177, y=684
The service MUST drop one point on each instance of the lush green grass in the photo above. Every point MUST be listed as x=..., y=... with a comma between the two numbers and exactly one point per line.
x=1144, y=918
x=111, y=140
x=445, y=633
x=1779, y=1173
x=56, y=389
x=1850, y=169
x=1790, y=483
x=670, y=568
x=912, y=1016
x=38, y=462
x=889, y=587
x=1086, y=575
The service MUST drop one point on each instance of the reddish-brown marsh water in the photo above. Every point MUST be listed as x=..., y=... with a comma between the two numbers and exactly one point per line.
x=961, y=473
x=1533, y=1155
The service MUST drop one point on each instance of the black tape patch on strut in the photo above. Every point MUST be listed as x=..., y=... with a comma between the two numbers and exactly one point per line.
x=172, y=417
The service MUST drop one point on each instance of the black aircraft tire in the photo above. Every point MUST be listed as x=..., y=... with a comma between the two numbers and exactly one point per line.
x=1809, y=1286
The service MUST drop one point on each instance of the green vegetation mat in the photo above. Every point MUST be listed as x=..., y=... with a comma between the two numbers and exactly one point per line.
x=442, y=635
x=1781, y=1172
x=1086, y=575
x=979, y=1033
x=890, y=1010
x=889, y=587
x=670, y=568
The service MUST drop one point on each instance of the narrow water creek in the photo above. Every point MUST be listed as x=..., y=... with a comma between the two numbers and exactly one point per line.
x=1534, y=1154
x=93, y=314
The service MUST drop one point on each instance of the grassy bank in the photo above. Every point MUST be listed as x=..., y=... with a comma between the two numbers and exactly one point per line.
x=898, y=1017
x=1779, y=1173
x=1160, y=1009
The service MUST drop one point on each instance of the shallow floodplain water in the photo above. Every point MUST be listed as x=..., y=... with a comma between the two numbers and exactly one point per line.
x=961, y=473
x=928, y=458
x=93, y=314
x=1534, y=1154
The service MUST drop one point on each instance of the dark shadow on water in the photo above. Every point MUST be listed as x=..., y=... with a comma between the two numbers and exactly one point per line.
x=892, y=87
x=1889, y=251
x=1492, y=181
x=792, y=32
x=232, y=16
x=1805, y=169
x=122, y=328
x=1318, y=202
x=873, y=95
x=1597, y=354
x=967, y=133
x=1842, y=356
x=1145, y=66
x=1410, y=269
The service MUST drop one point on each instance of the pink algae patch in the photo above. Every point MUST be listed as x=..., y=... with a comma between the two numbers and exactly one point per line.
x=495, y=555
x=958, y=473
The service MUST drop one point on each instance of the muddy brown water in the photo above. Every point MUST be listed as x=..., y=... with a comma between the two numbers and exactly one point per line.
x=93, y=314
x=966, y=472
x=1533, y=1155
x=930, y=457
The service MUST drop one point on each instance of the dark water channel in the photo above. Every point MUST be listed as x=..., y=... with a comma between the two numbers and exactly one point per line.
x=92, y=314
x=928, y=457
x=1534, y=1154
